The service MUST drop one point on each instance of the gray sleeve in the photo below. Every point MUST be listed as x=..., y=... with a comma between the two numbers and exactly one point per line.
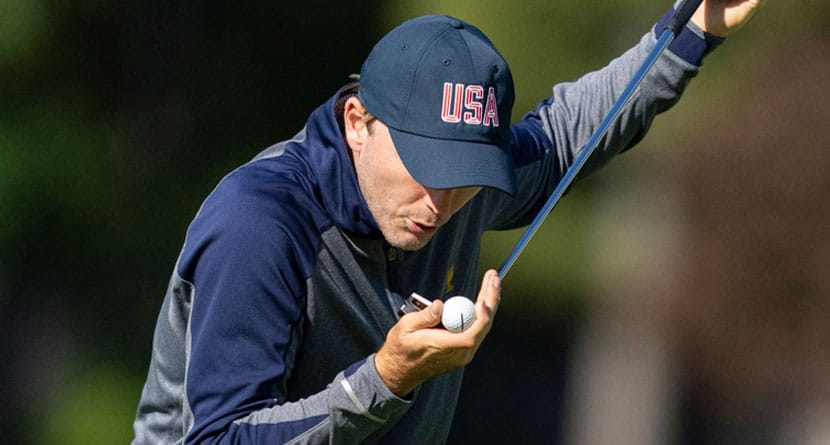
x=354, y=406
x=546, y=141
x=576, y=109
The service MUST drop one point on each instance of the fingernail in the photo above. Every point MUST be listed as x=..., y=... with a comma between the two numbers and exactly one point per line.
x=496, y=282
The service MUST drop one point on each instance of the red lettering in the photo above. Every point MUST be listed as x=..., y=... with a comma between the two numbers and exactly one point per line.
x=472, y=102
x=491, y=110
x=451, y=107
x=458, y=98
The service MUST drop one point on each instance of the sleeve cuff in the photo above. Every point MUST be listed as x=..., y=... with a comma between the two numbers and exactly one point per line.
x=692, y=44
x=369, y=394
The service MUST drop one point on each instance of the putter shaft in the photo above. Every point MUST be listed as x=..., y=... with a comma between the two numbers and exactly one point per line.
x=678, y=21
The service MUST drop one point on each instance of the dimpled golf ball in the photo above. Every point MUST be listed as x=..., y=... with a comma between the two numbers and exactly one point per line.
x=459, y=313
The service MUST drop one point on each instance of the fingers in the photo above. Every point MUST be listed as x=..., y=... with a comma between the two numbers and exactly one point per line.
x=427, y=318
x=486, y=305
x=489, y=298
x=415, y=352
x=467, y=342
x=723, y=17
x=490, y=293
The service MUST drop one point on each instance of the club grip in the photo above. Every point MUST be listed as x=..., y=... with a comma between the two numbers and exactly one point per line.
x=682, y=15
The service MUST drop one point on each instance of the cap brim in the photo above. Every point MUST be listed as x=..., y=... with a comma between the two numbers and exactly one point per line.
x=444, y=164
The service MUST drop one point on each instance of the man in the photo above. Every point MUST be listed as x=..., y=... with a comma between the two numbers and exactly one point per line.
x=279, y=323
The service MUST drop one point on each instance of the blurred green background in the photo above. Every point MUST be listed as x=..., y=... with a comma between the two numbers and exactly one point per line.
x=118, y=118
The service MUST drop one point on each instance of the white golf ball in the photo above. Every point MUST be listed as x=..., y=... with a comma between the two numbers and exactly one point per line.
x=458, y=315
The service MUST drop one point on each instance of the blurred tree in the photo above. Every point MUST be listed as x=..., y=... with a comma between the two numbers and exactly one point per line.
x=752, y=306
x=116, y=120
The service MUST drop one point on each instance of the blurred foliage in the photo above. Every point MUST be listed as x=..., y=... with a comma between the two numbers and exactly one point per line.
x=92, y=409
x=117, y=118
x=22, y=25
x=545, y=42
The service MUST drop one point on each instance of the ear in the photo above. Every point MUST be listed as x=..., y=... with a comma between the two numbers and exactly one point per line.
x=355, y=128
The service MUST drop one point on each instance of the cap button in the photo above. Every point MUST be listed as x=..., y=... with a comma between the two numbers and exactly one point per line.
x=456, y=24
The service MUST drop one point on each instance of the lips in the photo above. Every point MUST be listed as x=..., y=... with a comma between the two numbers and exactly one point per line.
x=420, y=228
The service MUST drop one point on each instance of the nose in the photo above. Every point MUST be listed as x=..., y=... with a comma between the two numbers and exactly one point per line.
x=439, y=200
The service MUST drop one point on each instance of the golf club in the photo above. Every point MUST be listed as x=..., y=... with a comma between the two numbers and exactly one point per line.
x=678, y=20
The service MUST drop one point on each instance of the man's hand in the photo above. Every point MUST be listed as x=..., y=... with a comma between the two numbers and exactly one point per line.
x=723, y=17
x=417, y=349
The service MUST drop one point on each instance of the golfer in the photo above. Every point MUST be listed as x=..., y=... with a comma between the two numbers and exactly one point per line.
x=280, y=322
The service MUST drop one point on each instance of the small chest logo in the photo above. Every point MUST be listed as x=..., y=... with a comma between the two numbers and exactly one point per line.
x=450, y=275
x=468, y=103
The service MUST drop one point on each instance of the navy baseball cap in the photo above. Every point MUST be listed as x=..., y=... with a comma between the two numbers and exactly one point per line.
x=446, y=95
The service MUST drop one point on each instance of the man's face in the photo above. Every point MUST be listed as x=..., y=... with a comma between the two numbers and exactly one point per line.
x=407, y=213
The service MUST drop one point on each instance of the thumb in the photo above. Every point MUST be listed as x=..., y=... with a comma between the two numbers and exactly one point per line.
x=428, y=317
